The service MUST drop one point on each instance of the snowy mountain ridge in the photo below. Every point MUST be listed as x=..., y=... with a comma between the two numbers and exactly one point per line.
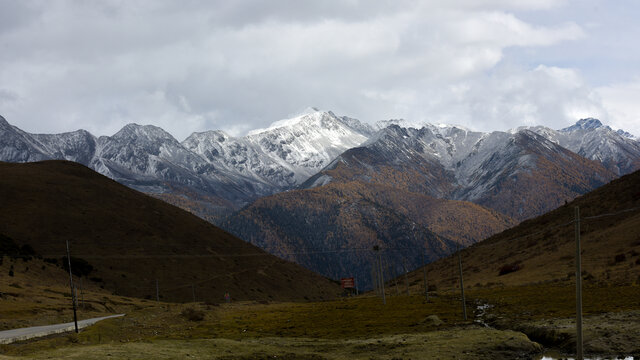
x=284, y=155
x=236, y=169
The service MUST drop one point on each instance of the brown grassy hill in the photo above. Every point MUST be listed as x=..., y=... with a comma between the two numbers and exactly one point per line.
x=348, y=219
x=542, y=249
x=132, y=239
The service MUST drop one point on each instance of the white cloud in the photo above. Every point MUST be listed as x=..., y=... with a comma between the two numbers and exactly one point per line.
x=622, y=104
x=196, y=65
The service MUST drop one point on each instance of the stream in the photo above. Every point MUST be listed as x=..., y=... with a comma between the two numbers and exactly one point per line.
x=549, y=354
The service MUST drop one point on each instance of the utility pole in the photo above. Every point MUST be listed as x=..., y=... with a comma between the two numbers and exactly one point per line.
x=406, y=276
x=157, y=291
x=464, y=308
x=384, y=299
x=356, y=285
x=73, y=300
x=579, y=354
x=193, y=291
x=424, y=275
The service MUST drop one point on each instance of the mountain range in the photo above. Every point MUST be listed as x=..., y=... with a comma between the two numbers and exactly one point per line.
x=332, y=183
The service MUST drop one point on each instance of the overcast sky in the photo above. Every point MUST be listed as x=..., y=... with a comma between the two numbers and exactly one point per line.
x=193, y=65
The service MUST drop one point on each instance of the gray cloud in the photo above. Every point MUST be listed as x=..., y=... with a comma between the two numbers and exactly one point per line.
x=195, y=65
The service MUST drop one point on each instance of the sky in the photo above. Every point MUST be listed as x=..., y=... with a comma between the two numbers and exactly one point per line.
x=197, y=65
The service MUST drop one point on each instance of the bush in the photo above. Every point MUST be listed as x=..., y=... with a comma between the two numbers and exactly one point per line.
x=509, y=268
x=619, y=258
x=192, y=314
x=79, y=267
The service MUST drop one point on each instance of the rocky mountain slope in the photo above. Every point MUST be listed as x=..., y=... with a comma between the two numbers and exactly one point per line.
x=131, y=239
x=618, y=150
x=520, y=174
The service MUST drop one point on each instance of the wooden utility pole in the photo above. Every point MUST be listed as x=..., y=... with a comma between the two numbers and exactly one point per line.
x=579, y=354
x=193, y=291
x=157, y=291
x=73, y=300
x=464, y=307
x=424, y=275
x=356, y=285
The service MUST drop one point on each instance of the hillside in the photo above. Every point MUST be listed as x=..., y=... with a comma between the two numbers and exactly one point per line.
x=542, y=249
x=332, y=229
x=131, y=239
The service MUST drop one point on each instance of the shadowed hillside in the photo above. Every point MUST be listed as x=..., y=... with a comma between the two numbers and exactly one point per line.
x=332, y=229
x=131, y=239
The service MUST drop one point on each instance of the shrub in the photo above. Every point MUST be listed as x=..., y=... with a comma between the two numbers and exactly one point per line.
x=79, y=267
x=509, y=268
x=619, y=258
x=192, y=314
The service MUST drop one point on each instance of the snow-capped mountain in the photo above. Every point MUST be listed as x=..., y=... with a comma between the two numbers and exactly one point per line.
x=19, y=146
x=233, y=170
x=286, y=153
x=451, y=161
x=512, y=172
x=617, y=150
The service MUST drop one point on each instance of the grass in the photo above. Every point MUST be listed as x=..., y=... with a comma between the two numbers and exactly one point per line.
x=549, y=301
x=349, y=318
x=355, y=328
x=454, y=343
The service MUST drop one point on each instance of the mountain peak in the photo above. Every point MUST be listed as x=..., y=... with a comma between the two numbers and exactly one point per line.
x=136, y=131
x=626, y=134
x=381, y=124
x=314, y=115
x=584, y=124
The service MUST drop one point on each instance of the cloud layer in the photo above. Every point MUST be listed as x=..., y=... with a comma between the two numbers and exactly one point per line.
x=196, y=65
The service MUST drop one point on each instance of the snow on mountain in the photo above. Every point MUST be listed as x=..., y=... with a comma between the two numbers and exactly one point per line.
x=291, y=151
x=237, y=169
x=19, y=146
x=78, y=146
x=595, y=141
x=511, y=172
x=584, y=124
x=626, y=134
x=286, y=153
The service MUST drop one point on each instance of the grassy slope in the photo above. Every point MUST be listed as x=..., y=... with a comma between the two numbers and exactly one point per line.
x=132, y=239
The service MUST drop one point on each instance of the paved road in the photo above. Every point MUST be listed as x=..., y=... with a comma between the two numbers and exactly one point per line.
x=9, y=336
